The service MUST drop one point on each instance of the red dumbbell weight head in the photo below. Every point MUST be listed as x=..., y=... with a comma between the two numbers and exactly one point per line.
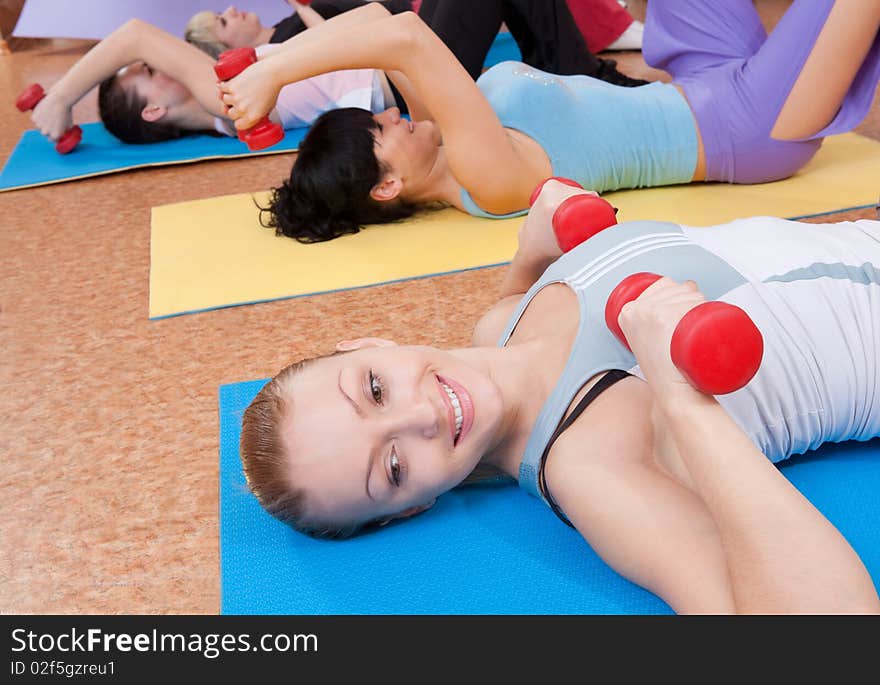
x=626, y=291
x=69, y=140
x=580, y=217
x=264, y=134
x=540, y=187
x=29, y=97
x=717, y=347
x=232, y=62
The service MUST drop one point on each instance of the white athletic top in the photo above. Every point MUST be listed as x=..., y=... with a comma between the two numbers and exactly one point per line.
x=300, y=103
x=813, y=290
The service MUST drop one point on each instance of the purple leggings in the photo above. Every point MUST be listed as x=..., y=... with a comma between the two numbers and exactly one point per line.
x=737, y=79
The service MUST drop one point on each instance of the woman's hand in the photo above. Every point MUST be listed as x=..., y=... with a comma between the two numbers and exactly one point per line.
x=52, y=116
x=648, y=323
x=251, y=95
x=537, y=241
x=538, y=248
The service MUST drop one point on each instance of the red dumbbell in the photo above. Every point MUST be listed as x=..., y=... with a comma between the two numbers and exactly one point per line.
x=716, y=345
x=265, y=132
x=578, y=217
x=540, y=187
x=29, y=98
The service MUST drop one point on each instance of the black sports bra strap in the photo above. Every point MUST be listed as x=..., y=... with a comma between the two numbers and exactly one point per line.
x=601, y=385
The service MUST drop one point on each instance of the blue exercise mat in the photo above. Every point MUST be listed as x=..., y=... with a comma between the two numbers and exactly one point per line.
x=503, y=49
x=489, y=549
x=34, y=161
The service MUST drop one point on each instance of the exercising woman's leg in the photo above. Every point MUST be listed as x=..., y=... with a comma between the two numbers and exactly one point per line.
x=466, y=27
x=688, y=37
x=738, y=80
x=843, y=67
x=544, y=30
x=548, y=37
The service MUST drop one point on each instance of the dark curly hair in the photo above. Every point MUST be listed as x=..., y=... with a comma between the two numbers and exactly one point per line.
x=120, y=110
x=328, y=192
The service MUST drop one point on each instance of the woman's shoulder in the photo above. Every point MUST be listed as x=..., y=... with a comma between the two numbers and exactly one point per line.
x=492, y=324
x=600, y=440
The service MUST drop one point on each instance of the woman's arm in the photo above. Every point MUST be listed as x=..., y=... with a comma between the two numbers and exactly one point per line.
x=308, y=15
x=478, y=150
x=782, y=555
x=537, y=246
x=312, y=19
x=133, y=41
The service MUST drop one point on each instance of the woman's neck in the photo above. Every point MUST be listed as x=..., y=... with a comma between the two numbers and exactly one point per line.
x=513, y=368
x=263, y=37
x=191, y=116
x=438, y=185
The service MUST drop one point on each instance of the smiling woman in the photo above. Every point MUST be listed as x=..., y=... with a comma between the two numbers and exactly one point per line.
x=675, y=489
x=422, y=396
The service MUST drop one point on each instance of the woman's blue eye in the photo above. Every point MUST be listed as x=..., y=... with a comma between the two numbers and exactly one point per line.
x=376, y=388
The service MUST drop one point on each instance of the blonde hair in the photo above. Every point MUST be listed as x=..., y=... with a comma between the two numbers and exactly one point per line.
x=201, y=31
x=266, y=464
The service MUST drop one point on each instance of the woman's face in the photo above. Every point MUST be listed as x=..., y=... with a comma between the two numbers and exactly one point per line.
x=386, y=429
x=153, y=86
x=237, y=29
x=409, y=148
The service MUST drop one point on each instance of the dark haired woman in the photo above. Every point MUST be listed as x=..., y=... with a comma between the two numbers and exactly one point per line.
x=154, y=86
x=742, y=107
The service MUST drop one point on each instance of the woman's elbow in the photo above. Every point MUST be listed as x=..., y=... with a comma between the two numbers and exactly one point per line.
x=411, y=31
x=133, y=26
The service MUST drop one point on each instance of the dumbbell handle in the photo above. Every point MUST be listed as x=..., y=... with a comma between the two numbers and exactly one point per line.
x=716, y=346
x=30, y=98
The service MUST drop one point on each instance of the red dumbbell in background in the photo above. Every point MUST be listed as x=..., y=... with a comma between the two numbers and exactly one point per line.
x=264, y=133
x=29, y=98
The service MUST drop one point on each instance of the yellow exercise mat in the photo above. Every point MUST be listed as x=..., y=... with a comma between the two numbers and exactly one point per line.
x=213, y=253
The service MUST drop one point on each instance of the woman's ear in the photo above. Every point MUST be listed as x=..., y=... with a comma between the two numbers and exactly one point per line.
x=153, y=113
x=387, y=189
x=359, y=343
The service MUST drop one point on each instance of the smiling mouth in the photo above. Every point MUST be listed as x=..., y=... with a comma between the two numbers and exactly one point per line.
x=456, y=408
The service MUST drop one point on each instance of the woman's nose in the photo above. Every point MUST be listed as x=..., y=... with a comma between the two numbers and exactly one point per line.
x=417, y=417
x=394, y=115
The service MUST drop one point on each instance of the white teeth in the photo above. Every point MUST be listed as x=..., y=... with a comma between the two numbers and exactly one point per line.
x=456, y=406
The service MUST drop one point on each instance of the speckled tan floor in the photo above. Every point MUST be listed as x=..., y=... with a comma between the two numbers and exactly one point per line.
x=108, y=495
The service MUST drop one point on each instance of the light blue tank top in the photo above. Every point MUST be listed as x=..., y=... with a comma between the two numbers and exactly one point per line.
x=592, y=270
x=603, y=136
